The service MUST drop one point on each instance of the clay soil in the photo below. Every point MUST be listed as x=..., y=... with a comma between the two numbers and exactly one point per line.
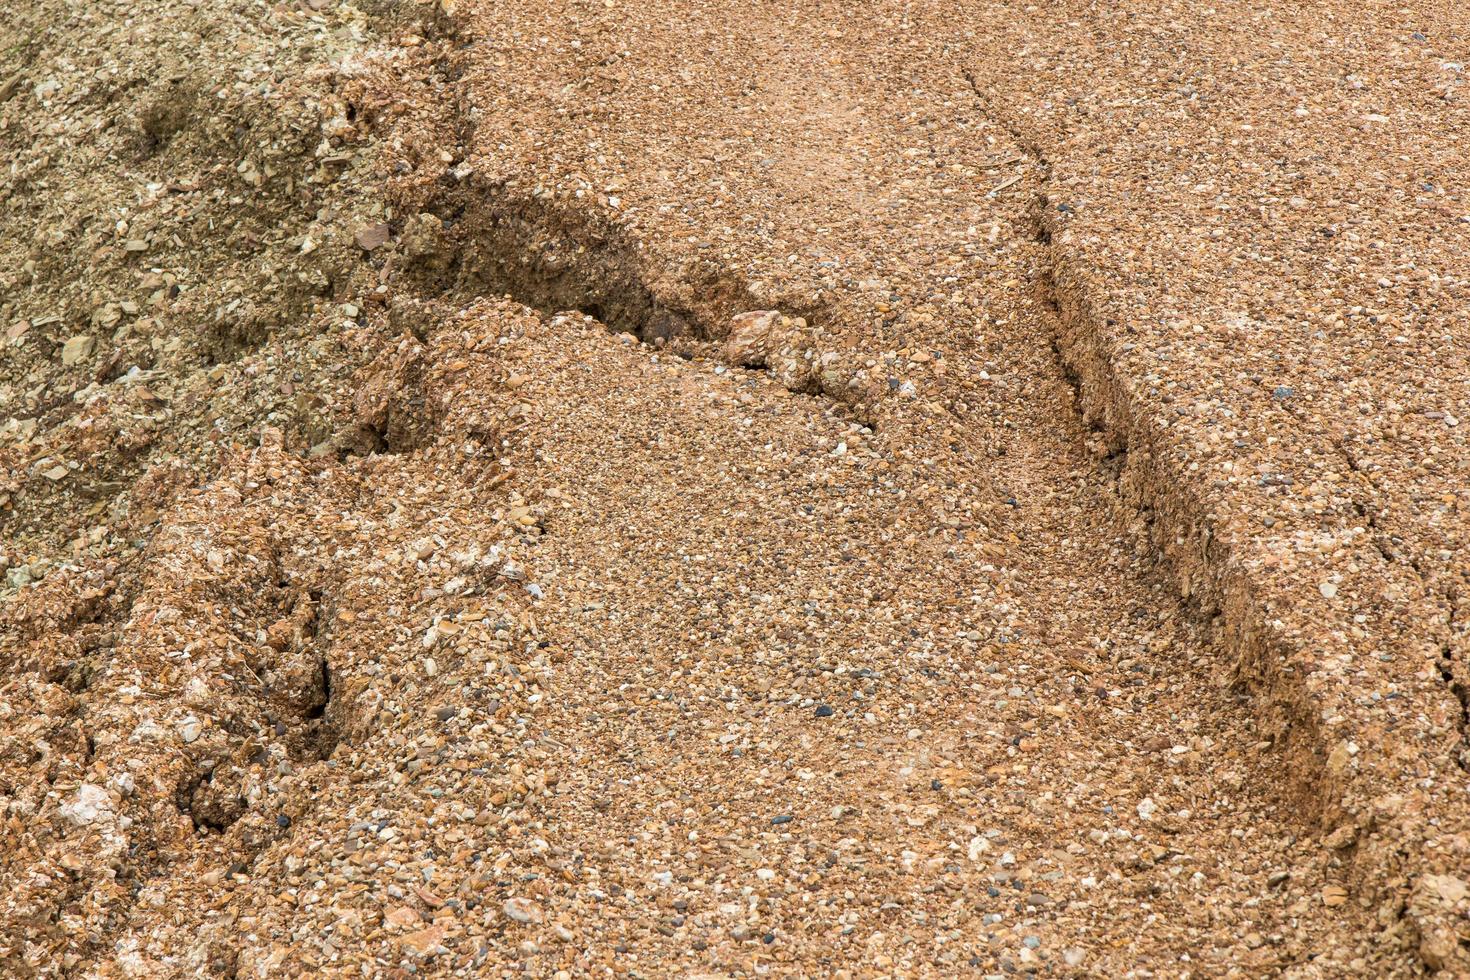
x=515, y=487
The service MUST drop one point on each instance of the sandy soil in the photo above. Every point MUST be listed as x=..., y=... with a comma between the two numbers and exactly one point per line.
x=725, y=489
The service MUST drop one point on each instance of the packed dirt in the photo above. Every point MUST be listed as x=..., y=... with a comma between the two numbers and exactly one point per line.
x=568, y=488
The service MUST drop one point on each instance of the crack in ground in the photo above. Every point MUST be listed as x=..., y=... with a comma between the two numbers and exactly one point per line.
x=1088, y=370
x=483, y=237
x=1193, y=556
x=1405, y=557
x=479, y=237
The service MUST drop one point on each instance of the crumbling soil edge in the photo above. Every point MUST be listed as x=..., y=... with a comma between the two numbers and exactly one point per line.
x=1182, y=536
x=1390, y=865
x=1445, y=595
x=1179, y=527
x=498, y=236
x=481, y=234
x=556, y=256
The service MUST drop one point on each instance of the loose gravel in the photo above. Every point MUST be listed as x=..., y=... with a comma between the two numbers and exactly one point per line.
x=579, y=488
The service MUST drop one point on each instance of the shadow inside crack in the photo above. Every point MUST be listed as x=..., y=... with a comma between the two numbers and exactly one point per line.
x=557, y=255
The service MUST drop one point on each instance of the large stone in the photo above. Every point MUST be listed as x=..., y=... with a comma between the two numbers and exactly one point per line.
x=78, y=349
x=752, y=336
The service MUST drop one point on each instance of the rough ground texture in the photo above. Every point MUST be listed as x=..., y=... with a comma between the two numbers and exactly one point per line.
x=728, y=488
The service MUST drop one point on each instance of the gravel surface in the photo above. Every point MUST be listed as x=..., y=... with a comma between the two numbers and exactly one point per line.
x=818, y=489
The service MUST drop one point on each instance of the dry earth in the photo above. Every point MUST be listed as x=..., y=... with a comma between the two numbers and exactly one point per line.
x=729, y=488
